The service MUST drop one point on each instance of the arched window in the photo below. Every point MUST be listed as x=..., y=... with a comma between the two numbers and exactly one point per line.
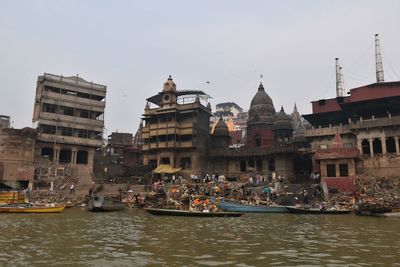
x=365, y=147
x=377, y=146
x=390, y=145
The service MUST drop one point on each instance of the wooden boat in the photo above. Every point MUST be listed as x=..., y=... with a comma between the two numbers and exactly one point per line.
x=104, y=204
x=30, y=209
x=239, y=207
x=316, y=211
x=171, y=212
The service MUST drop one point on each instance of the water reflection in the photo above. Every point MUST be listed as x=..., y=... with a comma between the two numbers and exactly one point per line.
x=134, y=238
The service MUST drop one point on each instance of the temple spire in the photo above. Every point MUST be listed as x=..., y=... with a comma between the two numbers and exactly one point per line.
x=378, y=61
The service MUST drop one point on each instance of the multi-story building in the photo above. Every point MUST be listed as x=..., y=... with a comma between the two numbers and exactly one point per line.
x=4, y=121
x=117, y=142
x=227, y=110
x=366, y=120
x=176, y=132
x=69, y=113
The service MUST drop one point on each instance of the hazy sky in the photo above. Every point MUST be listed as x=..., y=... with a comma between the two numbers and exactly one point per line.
x=132, y=47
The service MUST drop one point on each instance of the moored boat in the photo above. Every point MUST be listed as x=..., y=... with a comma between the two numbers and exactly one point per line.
x=239, y=207
x=31, y=209
x=104, y=204
x=301, y=210
x=172, y=212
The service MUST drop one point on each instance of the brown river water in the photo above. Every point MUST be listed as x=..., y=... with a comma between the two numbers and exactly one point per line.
x=134, y=238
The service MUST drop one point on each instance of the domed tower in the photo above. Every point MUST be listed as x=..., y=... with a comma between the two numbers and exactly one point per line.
x=168, y=93
x=283, y=128
x=261, y=120
x=221, y=136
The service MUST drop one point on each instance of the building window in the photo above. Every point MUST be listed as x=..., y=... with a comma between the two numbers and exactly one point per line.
x=259, y=165
x=243, y=165
x=365, y=147
x=48, y=129
x=271, y=165
x=377, y=146
x=82, y=157
x=66, y=131
x=344, y=170
x=186, y=163
x=390, y=145
x=47, y=152
x=330, y=170
x=257, y=141
x=165, y=161
x=83, y=133
x=49, y=108
x=67, y=111
x=65, y=156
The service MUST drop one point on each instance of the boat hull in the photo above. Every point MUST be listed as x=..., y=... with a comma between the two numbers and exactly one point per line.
x=237, y=207
x=170, y=212
x=316, y=211
x=56, y=209
x=101, y=204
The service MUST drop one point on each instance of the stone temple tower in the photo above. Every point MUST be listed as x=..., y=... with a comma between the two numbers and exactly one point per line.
x=261, y=120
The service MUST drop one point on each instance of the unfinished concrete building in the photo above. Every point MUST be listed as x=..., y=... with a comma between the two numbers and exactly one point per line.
x=176, y=132
x=69, y=112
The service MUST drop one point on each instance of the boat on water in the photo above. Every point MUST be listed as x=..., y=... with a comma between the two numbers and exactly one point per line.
x=172, y=212
x=302, y=210
x=30, y=209
x=104, y=204
x=239, y=207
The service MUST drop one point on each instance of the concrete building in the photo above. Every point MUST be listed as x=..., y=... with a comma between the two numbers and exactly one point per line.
x=69, y=113
x=367, y=119
x=4, y=121
x=117, y=142
x=176, y=131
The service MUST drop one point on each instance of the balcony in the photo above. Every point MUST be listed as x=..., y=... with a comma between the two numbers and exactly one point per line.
x=323, y=131
x=378, y=122
x=65, y=120
x=71, y=140
x=59, y=98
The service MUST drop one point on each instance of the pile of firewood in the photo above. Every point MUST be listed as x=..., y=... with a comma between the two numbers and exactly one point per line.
x=378, y=194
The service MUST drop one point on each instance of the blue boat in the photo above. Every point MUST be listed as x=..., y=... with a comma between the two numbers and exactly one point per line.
x=239, y=207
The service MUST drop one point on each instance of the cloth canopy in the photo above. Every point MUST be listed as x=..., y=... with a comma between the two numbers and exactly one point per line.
x=166, y=168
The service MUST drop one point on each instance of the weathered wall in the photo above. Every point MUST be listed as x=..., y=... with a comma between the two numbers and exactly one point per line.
x=382, y=165
x=17, y=154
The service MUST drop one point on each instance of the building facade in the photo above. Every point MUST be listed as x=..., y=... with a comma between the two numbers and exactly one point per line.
x=176, y=131
x=367, y=119
x=69, y=113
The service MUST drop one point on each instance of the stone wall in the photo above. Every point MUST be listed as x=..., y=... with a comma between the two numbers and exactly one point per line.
x=17, y=148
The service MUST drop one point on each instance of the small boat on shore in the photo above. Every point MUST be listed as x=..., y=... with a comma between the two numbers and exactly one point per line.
x=104, y=204
x=301, y=210
x=248, y=208
x=171, y=212
x=31, y=209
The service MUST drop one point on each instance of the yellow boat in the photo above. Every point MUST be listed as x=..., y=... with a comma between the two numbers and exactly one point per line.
x=31, y=209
